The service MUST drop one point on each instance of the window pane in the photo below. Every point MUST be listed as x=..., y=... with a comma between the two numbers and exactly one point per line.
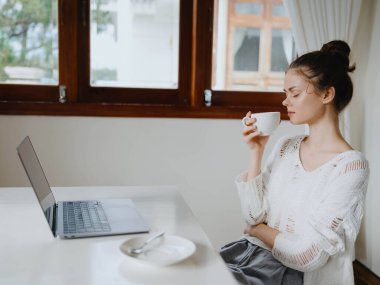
x=283, y=50
x=28, y=42
x=250, y=53
x=279, y=10
x=246, y=49
x=135, y=43
x=248, y=8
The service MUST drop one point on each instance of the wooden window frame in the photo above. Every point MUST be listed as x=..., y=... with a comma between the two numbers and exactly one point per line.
x=195, y=67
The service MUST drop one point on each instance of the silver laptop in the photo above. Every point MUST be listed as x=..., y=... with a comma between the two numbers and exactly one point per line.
x=74, y=219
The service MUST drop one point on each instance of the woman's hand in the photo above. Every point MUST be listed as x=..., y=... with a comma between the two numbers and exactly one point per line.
x=251, y=230
x=263, y=232
x=252, y=136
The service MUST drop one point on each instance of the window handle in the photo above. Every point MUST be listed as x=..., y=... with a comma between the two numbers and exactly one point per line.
x=208, y=97
x=62, y=94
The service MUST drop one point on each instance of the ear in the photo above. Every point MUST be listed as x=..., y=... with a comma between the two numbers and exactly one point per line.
x=329, y=95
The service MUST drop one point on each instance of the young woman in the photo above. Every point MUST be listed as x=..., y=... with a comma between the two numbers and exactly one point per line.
x=305, y=207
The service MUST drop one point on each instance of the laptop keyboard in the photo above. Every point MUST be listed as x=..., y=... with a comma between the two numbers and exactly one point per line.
x=84, y=217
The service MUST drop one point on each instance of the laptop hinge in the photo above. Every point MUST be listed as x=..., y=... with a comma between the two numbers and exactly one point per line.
x=55, y=219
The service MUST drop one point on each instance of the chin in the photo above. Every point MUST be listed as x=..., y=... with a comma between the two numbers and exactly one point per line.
x=294, y=121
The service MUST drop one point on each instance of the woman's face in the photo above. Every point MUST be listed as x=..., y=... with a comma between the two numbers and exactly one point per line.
x=304, y=105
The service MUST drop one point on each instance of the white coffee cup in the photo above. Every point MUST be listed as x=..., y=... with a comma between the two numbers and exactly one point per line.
x=266, y=122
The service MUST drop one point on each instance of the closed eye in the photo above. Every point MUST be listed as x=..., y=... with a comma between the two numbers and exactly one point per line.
x=294, y=95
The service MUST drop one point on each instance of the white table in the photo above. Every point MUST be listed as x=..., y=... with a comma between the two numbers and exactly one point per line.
x=29, y=254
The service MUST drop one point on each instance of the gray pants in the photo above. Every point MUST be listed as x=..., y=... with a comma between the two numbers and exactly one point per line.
x=253, y=265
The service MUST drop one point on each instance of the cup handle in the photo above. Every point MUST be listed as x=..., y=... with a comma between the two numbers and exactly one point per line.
x=244, y=120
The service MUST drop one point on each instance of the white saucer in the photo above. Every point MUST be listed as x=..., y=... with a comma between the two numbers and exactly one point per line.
x=164, y=251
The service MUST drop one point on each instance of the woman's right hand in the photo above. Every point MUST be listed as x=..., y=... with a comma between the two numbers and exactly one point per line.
x=252, y=136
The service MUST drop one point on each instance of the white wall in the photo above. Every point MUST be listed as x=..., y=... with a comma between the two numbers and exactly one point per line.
x=199, y=156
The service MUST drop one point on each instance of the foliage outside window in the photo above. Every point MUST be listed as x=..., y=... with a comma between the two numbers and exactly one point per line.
x=143, y=57
x=28, y=42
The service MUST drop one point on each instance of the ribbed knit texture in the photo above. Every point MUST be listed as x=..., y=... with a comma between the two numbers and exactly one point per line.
x=318, y=213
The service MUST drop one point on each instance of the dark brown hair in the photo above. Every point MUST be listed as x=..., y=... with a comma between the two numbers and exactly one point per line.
x=329, y=67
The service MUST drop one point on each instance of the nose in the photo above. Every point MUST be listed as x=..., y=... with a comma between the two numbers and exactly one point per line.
x=285, y=102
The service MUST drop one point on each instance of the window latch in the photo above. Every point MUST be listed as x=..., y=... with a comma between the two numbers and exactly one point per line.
x=208, y=97
x=62, y=94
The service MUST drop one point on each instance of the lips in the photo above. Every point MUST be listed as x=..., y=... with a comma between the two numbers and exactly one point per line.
x=290, y=113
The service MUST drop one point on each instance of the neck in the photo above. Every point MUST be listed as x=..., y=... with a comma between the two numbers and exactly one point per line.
x=325, y=133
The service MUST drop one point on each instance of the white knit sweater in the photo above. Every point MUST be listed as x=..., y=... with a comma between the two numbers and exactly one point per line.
x=318, y=213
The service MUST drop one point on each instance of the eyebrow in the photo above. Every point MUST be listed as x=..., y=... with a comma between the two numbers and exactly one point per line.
x=290, y=89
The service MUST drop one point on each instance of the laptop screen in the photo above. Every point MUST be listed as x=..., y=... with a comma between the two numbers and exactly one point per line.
x=38, y=179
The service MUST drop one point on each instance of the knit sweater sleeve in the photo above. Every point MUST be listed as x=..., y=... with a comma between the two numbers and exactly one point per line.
x=335, y=220
x=252, y=194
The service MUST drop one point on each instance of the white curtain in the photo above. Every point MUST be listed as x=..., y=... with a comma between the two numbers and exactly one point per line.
x=315, y=22
x=287, y=44
x=239, y=35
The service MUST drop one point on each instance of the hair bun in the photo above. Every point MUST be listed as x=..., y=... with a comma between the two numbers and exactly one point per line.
x=341, y=48
x=337, y=46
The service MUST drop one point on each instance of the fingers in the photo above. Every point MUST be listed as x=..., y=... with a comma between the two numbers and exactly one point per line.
x=249, y=129
x=249, y=135
x=248, y=121
x=249, y=138
x=252, y=135
x=248, y=229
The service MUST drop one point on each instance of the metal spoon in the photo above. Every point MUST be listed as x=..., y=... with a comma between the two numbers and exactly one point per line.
x=140, y=249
